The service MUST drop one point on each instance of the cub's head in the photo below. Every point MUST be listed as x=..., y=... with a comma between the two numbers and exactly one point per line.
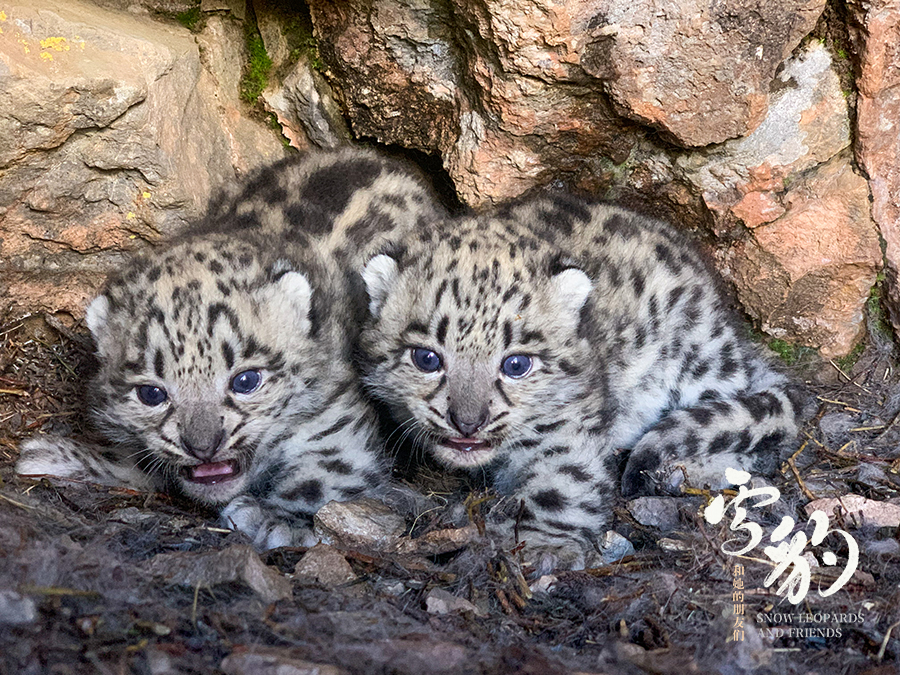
x=473, y=340
x=205, y=358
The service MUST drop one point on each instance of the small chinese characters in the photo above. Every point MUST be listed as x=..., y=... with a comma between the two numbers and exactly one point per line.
x=737, y=597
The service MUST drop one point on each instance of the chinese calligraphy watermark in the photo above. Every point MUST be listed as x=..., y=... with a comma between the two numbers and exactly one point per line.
x=787, y=554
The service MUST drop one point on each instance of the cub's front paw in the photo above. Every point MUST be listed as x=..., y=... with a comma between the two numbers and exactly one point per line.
x=65, y=458
x=52, y=456
x=266, y=528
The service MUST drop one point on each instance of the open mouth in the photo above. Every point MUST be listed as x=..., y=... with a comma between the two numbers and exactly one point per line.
x=467, y=445
x=212, y=472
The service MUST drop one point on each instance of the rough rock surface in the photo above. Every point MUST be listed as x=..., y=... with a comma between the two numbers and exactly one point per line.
x=115, y=127
x=697, y=70
x=238, y=563
x=395, y=69
x=875, y=29
x=298, y=95
x=363, y=523
x=274, y=662
x=518, y=95
x=302, y=104
x=807, y=123
x=505, y=91
x=806, y=275
x=109, y=137
x=805, y=267
x=323, y=565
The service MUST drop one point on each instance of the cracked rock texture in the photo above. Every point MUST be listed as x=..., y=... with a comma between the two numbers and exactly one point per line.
x=708, y=113
x=113, y=133
x=875, y=32
x=727, y=117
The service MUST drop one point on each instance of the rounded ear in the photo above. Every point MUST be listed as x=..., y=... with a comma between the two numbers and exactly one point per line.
x=572, y=288
x=380, y=274
x=289, y=296
x=97, y=319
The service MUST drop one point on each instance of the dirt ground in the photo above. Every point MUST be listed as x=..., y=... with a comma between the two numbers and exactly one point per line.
x=101, y=580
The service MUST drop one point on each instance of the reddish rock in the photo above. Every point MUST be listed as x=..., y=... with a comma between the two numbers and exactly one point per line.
x=756, y=208
x=24, y=293
x=876, y=34
x=806, y=268
x=807, y=124
x=394, y=67
x=519, y=132
x=806, y=276
x=409, y=74
x=539, y=39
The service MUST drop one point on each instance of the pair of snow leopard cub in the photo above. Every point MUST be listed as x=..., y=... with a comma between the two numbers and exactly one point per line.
x=534, y=342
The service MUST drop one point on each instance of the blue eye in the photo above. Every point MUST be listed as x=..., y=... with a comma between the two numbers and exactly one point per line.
x=246, y=382
x=517, y=365
x=150, y=395
x=426, y=360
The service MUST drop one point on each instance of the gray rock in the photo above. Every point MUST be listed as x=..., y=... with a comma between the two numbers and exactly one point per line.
x=112, y=134
x=236, y=7
x=698, y=70
x=439, y=601
x=305, y=109
x=875, y=32
x=614, y=547
x=658, y=512
x=325, y=566
x=236, y=563
x=16, y=609
x=274, y=661
x=363, y=523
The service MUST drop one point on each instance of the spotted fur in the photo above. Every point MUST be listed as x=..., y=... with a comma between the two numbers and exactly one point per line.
x=630, y=347
x=263, y=285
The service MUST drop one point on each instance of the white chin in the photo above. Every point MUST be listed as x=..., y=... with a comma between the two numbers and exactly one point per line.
x=463, y=460
x=220, y=492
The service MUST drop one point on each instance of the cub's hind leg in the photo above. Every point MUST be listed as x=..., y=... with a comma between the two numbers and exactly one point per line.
x=743, y=431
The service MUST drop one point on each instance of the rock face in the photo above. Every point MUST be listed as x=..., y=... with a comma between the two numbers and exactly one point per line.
x=505, y=91
x=395, y=69
x=721, y=115
x=875, y=29
x=110, y=137
x=300, y=99
x=697, y=70
x=806, y=275
x=805, y=267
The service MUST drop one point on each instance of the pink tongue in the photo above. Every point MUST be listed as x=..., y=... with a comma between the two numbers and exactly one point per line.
x=213, y=469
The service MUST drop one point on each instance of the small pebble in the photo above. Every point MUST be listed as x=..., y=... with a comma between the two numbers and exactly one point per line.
x=615, y=547
x=16, y=610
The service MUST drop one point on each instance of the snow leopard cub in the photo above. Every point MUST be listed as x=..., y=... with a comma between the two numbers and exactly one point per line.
x=225, y=358
x=536, y=342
